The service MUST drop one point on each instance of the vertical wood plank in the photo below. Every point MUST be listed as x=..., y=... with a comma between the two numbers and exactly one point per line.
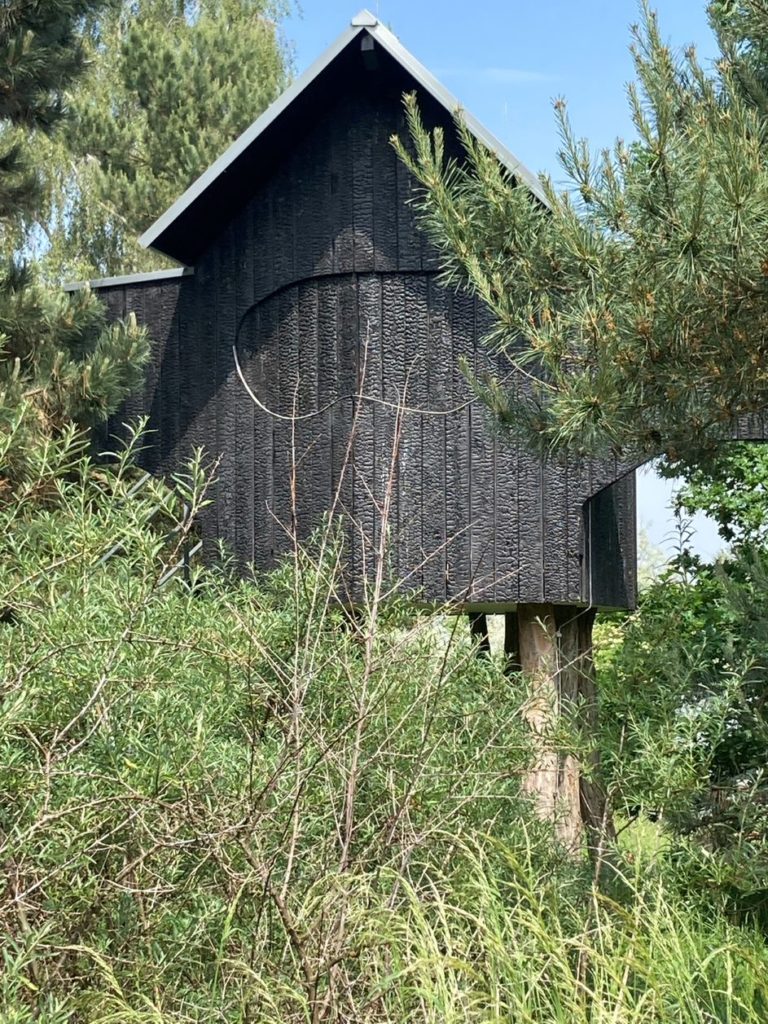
x=415, y=320
x=577, y=484
x=188, y=323
x=506, y=515
x=244, y=525
x=363, y=156
x=555, y=541
x=311, y=491
x=310, y=192
x=408, y=235
x=287, y=395
x=344, y=443
x=394, y=375
x=459, y=569
x=327, y=392
x=530, y=489
x=262, y=341
x=385, y=210
x=438, y=354
x=483, y=482
x=201, y=383
x=282, y=239
x=260, y=216
x=341, y=188
x=169, y=301
x=147, y=296
x=370, y=449
x=226, y=390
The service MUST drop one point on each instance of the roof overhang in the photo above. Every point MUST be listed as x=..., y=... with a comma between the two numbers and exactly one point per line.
x=174, y=232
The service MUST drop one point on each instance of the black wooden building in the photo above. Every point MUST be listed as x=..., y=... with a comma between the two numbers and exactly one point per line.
x=302, y=260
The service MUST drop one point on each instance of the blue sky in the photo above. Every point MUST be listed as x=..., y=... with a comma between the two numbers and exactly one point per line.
x=507, y=62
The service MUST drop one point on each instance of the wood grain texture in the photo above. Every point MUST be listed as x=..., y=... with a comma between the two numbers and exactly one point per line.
x=310, y=484
x=324, y=269
x=555, y=527
x=482, y=479
x=228, y=391
x=369, y=442
x=438, y=397
x=460, y=571
x=245, y=410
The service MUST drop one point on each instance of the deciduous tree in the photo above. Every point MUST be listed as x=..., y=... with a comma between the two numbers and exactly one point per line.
x=60, y=364
x=170, y=84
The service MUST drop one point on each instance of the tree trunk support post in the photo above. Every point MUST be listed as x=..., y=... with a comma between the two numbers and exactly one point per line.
x=555, y=653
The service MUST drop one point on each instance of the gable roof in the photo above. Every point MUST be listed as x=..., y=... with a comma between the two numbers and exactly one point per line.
x=184, y=229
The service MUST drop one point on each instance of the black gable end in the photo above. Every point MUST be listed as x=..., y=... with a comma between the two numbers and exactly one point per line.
x=371, y=73
x=314, y=293
x=366, y=58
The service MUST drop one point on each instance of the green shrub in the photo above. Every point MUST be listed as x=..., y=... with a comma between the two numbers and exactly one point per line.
x=684, y=683
x=229, y=801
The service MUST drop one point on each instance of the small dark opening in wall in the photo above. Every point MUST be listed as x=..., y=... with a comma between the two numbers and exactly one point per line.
x=334, y=184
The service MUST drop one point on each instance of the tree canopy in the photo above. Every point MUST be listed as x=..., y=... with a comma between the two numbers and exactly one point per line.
x=169, y=84
x=61, y=365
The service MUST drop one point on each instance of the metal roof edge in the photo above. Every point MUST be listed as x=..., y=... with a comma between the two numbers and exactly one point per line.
x=363, y=22
x=437, y=90
x=109, y=282
x=250, y=134
x=365, y=19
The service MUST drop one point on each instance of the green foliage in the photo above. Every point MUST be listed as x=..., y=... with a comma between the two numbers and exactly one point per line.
x=60, y=362
x=729, y=485
x=170, y=85
x=226, y=802
x=202, y=789
x=634, y=303
x=684, y=686
x=40, y=55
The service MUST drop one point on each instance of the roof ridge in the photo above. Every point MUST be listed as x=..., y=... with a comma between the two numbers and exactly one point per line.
x=364, y=19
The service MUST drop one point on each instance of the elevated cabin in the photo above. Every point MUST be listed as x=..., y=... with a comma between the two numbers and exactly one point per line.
x=302, y=261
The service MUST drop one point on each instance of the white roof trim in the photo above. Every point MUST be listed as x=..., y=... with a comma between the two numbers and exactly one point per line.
x=363, y=22
x=109, y=282
x=365, y=19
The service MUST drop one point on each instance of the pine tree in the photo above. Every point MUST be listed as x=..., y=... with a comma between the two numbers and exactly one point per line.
x=171, y=84
x=61, y=365
x=637, y=301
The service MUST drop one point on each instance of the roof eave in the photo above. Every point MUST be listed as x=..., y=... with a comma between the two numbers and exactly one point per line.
x=196, y=189
x=365, y=22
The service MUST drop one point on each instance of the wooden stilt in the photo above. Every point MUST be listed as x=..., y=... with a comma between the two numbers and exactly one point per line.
x=478, y=625
x=579, y=682
x=556, y=656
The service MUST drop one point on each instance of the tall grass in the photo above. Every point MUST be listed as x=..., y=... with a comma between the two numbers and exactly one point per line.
x=229, y=802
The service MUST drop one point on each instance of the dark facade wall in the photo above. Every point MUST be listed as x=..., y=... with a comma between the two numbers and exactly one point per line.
x=610, y=562
x=329, y=294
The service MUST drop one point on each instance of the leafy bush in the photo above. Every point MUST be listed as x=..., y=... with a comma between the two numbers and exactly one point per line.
x=202, y=781
x=684, y=686
x=230, y=801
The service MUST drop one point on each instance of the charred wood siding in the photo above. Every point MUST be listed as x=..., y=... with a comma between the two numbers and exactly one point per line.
x=329, y=293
